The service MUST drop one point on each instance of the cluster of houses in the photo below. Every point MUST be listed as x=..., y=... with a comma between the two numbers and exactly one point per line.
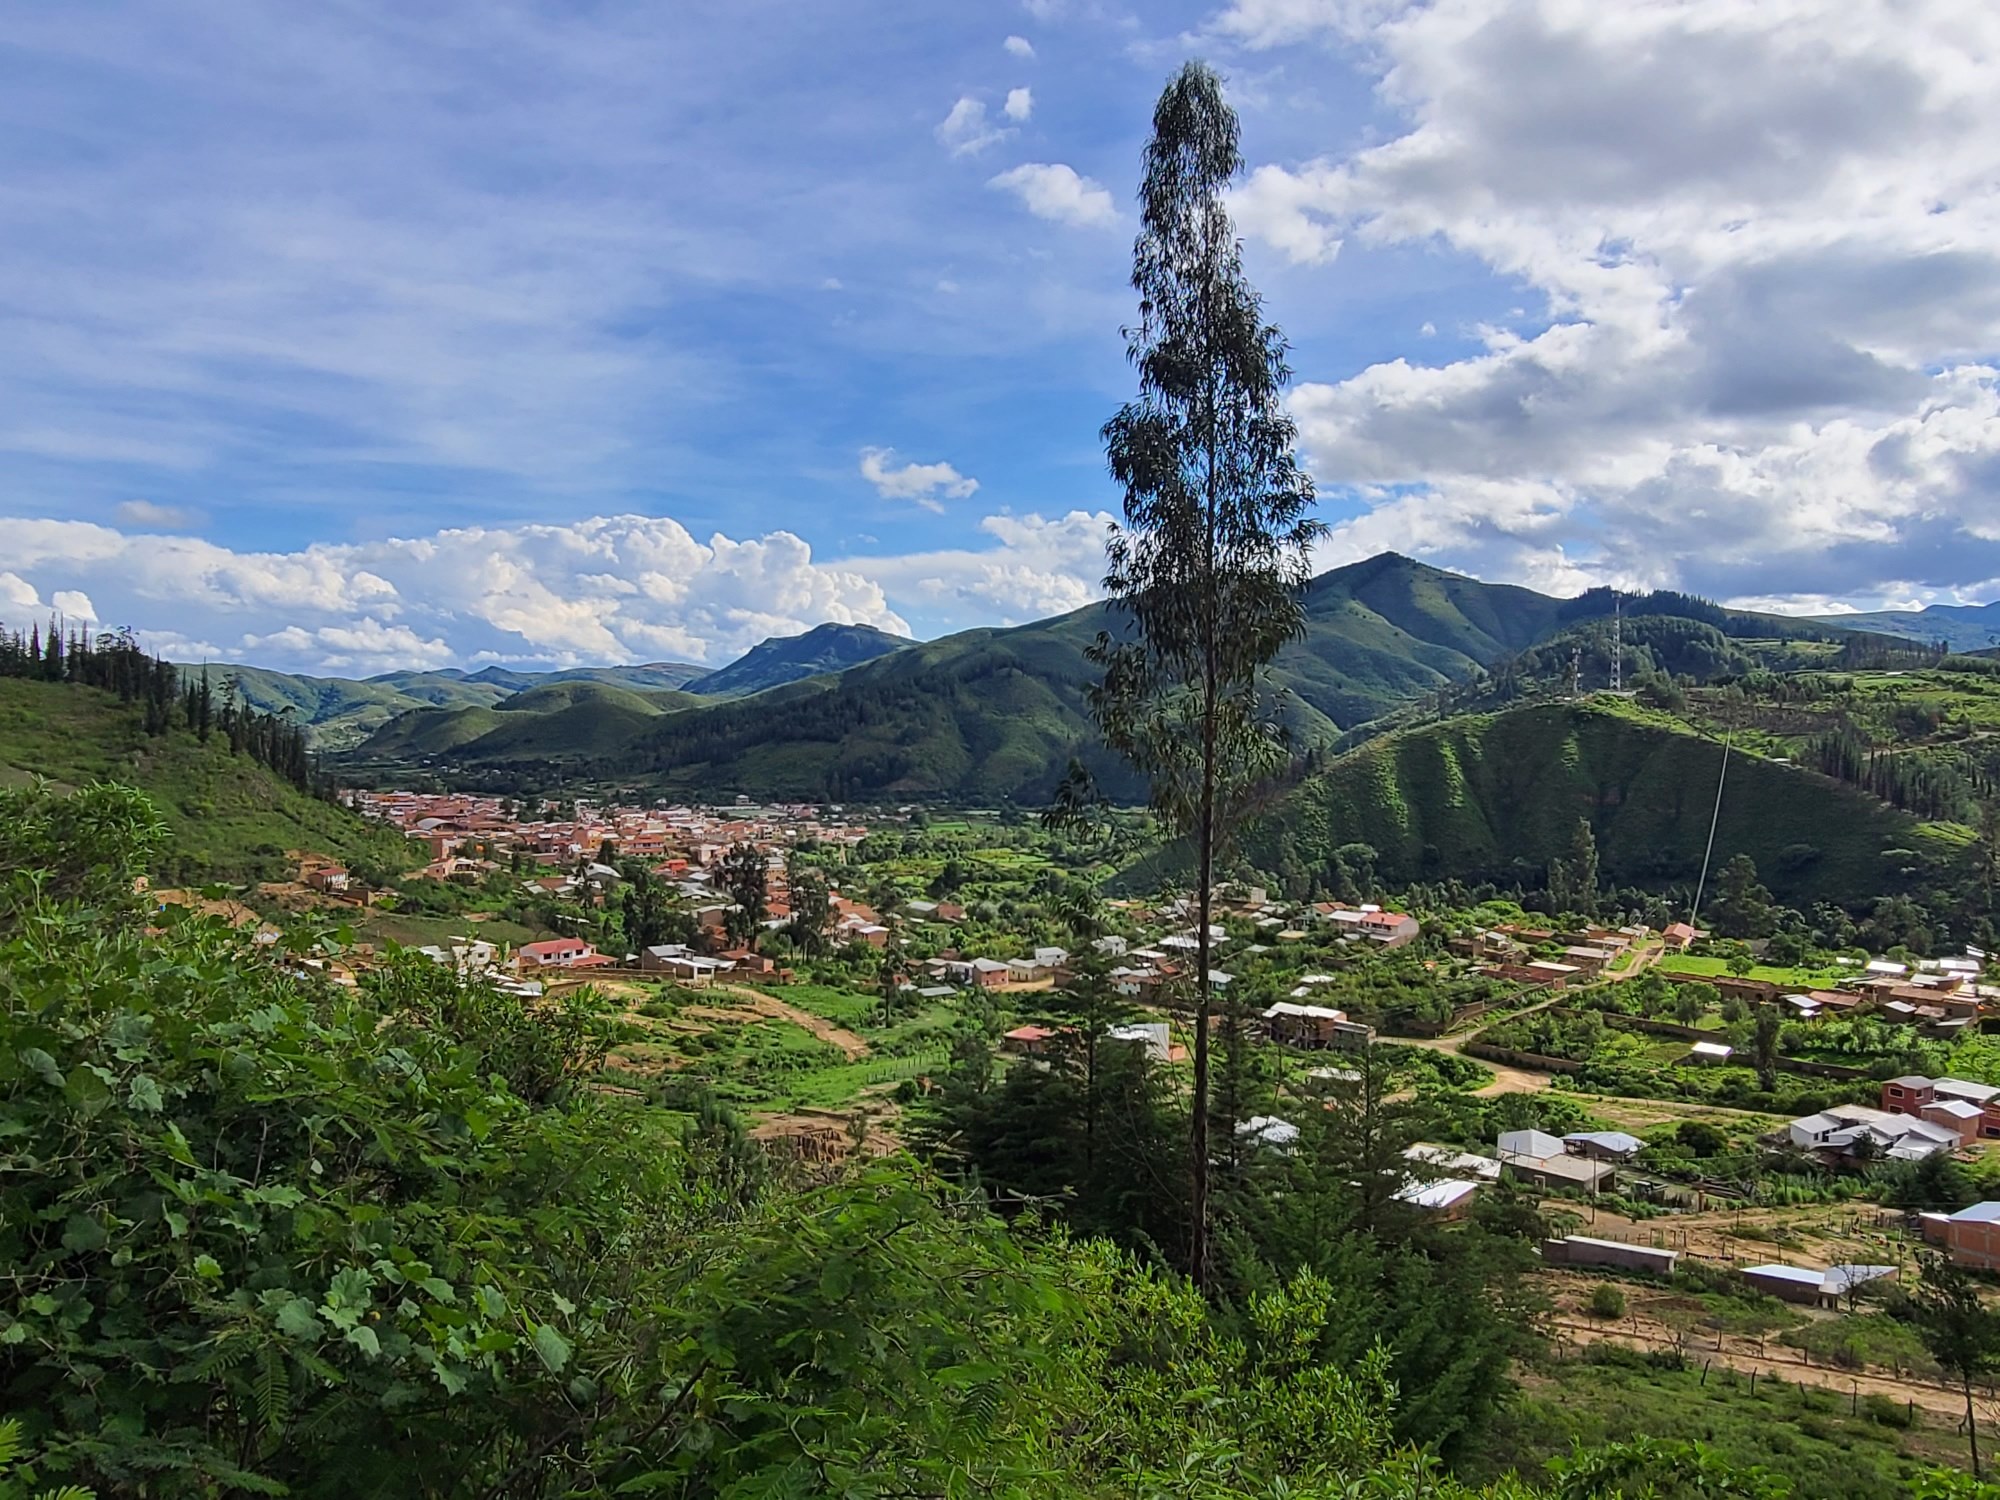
x=469, y=836
x=1917, y=1117
x=1507, y=952
x=1940, y=996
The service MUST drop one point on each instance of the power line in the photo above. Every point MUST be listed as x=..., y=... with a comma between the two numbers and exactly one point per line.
x=1713, y=818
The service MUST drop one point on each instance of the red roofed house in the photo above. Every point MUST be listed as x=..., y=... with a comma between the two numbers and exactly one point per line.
x=555, y=953
x=1027, y=1041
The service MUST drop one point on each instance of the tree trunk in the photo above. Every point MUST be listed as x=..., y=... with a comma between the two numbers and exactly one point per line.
x=1204, y=875
x=1971, y=1427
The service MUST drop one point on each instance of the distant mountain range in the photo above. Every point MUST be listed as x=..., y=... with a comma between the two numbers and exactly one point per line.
x=340, y=712
x=1962, y=627
x=990, y=713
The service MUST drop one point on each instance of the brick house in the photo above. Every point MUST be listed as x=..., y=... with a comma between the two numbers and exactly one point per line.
x=1970, y=1109
x=1971, y=1237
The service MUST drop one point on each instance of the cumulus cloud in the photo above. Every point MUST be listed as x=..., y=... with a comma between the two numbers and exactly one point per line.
x=1035, y=567
x=74, y=605
x=604, y=589
x=1050, y=190
x=1020, y=104
x=1766, y=247
x=967, y=130
x=923, y=483
x=1021, y=47
x=158, y=517
x=18, y=599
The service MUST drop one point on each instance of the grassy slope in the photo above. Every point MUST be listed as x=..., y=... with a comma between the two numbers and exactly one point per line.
x=1811, y=1439
x=231, y=818
x=1480, y=795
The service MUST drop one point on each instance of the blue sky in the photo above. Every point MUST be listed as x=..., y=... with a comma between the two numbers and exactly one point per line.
x=363, y=336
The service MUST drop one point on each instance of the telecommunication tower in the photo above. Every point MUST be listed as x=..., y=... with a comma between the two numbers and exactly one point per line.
x=1617, y=643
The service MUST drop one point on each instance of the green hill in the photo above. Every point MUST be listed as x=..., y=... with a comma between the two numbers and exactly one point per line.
x=232, y=819
x=552, y=697
x=1497, y=796
x=339, y=713
x=782, y=659
x=999, y=713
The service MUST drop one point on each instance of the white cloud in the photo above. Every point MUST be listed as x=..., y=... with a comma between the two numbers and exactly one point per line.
x=1020, y=104
x=603, y=589
x=1055, y=192
x=1037, y=567
x=1261, y=24
x=966, y=130
x=923, y=483
x=75, y=606
x=159, y=517
x=18, y=598
x=1021, y=47
x=1766, y=246
x=1043, y=10
x=363, y=649
x=1280, y=208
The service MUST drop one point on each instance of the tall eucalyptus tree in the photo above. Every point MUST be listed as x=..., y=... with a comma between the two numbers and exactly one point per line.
x=1208, y=566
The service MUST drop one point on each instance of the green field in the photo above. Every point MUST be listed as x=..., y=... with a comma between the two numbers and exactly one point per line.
x=1691, y=966
x=1827, y=1444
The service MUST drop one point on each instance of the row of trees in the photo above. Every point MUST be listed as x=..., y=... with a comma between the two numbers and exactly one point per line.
x=169, y=698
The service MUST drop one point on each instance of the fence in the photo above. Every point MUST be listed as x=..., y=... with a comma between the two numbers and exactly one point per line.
x=1534, y=1061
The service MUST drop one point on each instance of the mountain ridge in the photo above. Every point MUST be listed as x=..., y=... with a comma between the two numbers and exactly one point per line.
x=999, y=712
x=779, y=659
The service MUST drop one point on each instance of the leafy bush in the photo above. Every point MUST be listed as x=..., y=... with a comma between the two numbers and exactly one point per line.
x=1607, y=1301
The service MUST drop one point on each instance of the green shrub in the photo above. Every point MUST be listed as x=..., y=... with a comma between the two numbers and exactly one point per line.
x=1607, y=1301
x=1887, y=1411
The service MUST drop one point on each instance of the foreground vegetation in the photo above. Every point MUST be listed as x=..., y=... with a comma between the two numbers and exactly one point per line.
x=264, y=1234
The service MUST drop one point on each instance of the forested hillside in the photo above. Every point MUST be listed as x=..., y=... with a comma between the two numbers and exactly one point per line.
x=229, y=816
x=1498, y=796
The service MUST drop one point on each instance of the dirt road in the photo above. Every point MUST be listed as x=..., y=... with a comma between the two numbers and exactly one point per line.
x=770, y=1006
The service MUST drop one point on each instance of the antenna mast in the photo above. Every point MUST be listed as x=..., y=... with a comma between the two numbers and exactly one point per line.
x=1617, y=642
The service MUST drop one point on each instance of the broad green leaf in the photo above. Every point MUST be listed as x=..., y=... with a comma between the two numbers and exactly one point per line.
x=207, y=1268
x=552, y=1347
x=38, y=1062
x=296, y=1320
x=362, y=1337
x=82, y=1234
x=144, y=1094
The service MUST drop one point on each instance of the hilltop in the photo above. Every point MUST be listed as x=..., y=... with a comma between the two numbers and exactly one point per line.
x=780, y=659
x=231, y=819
